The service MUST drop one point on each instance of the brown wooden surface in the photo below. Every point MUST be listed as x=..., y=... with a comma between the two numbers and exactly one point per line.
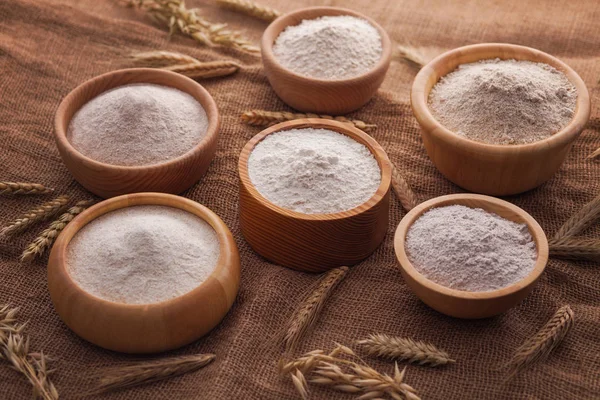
x=172, y=176
x=314, y=242
x=485, y=168
x=133, y=328
x=463, y=304
x=307, y=94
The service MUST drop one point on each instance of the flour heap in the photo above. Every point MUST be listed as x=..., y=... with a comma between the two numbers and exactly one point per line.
x=504, y=101
x=143, y=254
x=313, y=171
x=470, y=249
x=329, y=47
x=138, y=124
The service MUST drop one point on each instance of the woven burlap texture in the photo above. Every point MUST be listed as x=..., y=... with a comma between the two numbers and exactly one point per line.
x=47, y=47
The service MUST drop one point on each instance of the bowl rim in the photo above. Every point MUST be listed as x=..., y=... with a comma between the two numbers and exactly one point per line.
x=132, y=75
x=535, y=229
x=374, y=147
x=282, y=22
x=419, y=99
x=226, y=245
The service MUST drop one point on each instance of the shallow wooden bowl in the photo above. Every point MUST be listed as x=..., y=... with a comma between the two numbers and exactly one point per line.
x=485, y=168
x=463, y=304
x=318, y=95
x=106, y=180
x=314, y=242
x=145, y=328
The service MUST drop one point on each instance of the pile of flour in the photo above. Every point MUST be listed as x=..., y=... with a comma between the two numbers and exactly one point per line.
x=313, y=171
x=330, y=47
x=470, y=249
x=143, y=254
x=504, y=101
x=138, y=124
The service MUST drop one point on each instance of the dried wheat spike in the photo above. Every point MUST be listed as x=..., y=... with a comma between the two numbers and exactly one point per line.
x=49, y=235
x=545, y=340
x=145, y=372
x=250, y=8
x=23, y=188
x=412, y=55
x=38, y=214
x=403, y=191
x=405, y=349
x=266, y=118
x=581, y=220
x=575, y=249
x=309, y=310
x=162, y=58
x=205, y=70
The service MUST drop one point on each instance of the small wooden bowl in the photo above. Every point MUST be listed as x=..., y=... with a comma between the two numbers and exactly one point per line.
x=463, y=304
x=318, y=95
x=314, y=242
x=145, y=328
x=486, y=168
x=106, y=180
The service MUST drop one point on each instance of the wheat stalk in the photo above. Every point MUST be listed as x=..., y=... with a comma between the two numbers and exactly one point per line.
x=49, y=235
x=595, y=154
x=581, y=220
x=205, y=70
x=411, y=55
x=162, y=58
x=177, y=17
x=250, y=8
x=14, y=188
x=309, y=310
x=14, y=348
x=405, y=349
x=575, y=249
x=145, y=372
x=267, y=118
x=545, y=340
x=38, y=214
x=403, y=191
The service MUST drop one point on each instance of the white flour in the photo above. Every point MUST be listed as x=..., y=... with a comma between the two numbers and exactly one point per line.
x=138, y=124
x=313, y=171
x=504, y=101
x=143, y=254
x=330, y=47
x=470, y=249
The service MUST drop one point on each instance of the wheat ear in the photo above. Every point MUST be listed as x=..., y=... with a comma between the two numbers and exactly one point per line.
x=250, y=8
x=14, y=348
x=411, y=55
x=545, y=340
x=405, y=349
x=403, y=191
x=162, y=58
x=13, y=188
x=309, y=310
x=33, y=216
x=581, y=220
x=210, y=69
x=145, y=372
x=266, y=118
x=49, y=235
x=575, y=249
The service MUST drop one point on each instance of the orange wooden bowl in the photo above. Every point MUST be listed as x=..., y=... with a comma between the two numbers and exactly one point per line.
x=145, y=328
x=106, y=180
x=463, y=304
x=318, y=95
x=314, y=242
x=486, y=168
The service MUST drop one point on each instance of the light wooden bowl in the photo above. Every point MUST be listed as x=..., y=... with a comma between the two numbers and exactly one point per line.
x=314, y=242
x=318, y=95
x=145, y=328
x=463, y=304
x=485, y=168
x=106, y=180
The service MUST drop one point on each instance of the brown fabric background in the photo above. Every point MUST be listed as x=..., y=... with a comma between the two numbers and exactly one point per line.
x=48, y=47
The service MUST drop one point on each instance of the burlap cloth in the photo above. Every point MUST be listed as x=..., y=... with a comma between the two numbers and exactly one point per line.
x=48, y=47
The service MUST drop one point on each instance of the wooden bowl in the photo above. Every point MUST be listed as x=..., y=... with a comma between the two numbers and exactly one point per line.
x=486, y=168
x=145, y=328
x=314, y=242
x=106, y=180
x=463, y=304
x=318, y=95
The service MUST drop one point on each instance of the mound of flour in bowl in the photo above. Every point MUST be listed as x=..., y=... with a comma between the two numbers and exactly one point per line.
x=138, y=124
x=313, y=171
